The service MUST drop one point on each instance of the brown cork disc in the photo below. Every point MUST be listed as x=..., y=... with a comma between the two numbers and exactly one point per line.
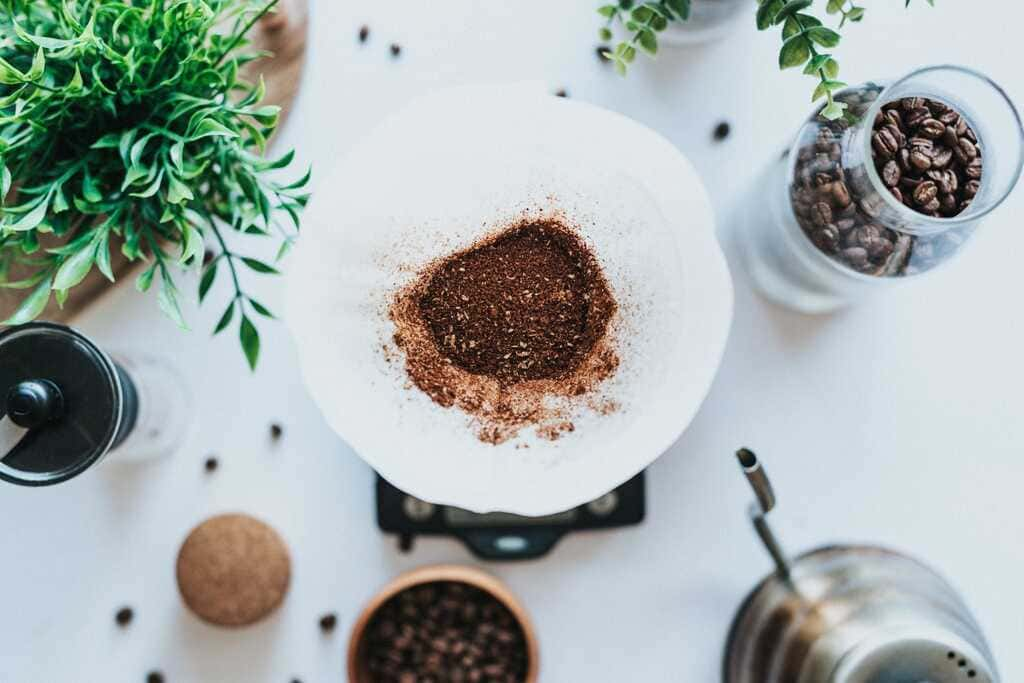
x=233, y=570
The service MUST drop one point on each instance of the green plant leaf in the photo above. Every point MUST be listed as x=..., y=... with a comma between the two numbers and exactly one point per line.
x=250, y=339
x=823, y=36
x=648, y=42
x=260, y=308
x=38, y=65
x=795, y=52
x=74, y=268
x=259, y=266
x=32, y=305
x=103, y=256
x=790, y=9
x=225, y=318
x=177, y=191
x=145, y=279
x=31, y=219
x=167, y=299
x=206, y=281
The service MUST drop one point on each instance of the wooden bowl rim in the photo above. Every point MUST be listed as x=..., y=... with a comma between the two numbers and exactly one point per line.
x=445, y=572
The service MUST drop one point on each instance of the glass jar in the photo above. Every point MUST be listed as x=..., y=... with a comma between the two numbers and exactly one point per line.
x=845, y=214
x=709, y=20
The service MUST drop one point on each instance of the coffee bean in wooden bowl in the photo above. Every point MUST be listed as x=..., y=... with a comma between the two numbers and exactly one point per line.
x=233, y=570
x=443, y=623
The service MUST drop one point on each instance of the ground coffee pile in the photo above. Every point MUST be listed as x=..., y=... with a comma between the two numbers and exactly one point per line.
x=528, y=305
x=497, y=328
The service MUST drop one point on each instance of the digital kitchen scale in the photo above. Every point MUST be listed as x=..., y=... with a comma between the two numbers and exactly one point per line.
x=501, y=535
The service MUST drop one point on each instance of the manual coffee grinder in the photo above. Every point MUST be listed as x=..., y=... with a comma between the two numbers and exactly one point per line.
x=849, y=614
x=65, y=404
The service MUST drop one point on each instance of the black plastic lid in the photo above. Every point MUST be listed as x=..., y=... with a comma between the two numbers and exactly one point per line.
x=66, y=393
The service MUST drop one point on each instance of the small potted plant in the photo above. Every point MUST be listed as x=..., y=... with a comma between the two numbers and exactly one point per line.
x=127, y=134
x=806, y=40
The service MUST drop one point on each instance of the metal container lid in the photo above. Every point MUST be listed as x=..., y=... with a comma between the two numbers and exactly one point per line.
x=61, y=404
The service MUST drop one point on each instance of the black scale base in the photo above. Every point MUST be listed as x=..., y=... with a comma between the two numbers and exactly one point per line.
x=500, y=535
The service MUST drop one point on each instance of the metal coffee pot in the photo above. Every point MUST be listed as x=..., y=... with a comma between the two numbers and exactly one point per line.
x=850, y=614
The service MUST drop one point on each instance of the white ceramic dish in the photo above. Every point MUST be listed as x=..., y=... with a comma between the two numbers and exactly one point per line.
x=435, y=177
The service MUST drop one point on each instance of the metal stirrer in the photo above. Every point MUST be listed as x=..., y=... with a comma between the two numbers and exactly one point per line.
x=765, y=503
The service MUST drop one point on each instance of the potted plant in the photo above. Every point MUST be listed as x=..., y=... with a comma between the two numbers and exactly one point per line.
x=127, y=133
x=806, y=40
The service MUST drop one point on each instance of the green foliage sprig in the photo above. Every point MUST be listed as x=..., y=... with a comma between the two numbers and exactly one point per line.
x=804, y=36
x=124, y=124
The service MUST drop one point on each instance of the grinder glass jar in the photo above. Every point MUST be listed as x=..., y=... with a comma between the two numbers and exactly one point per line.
x=890, y=190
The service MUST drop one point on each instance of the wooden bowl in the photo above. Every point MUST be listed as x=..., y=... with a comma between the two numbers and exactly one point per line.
x=357, y=672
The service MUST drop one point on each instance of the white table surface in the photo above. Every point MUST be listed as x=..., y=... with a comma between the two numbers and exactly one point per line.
x=899, y=422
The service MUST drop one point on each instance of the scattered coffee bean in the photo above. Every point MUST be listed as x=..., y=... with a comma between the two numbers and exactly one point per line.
x=364, y=33
x=445, y=631
x=276, y=431
x=124, y=616
x=328, y=622
x=211, y=464
x=722, y=131
x=154, y=677
x=561, y=92
x=208, y=256
x=396, y=49
x=602, y=53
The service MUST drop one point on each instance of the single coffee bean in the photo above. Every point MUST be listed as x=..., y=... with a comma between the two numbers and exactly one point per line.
x=364, y=33
x=328, y=622
x=973, y=170
x=884, y=142
x=932, y=128
x=603, y=53
x=950, y=137
x=920, y=160
x=722, y=131
x=908, y=103
x=892, y=117
x=925, y=192
x=821, y=213
x=841, y=194
x=916, y=117
x=904, y=159
x=891, y=173
x=880, y=249
x=124, y=616
x=941, y=156
x=856, y=256
x=947, y=203
x=154, y=677
x=276, y=431
x=210, y=464
x=396, y=49
x=965, y=152
x=971, y=188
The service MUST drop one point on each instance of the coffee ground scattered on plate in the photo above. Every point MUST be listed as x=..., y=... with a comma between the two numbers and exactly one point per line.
x=509, y=323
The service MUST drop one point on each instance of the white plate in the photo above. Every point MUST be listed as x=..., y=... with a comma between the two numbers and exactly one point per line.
x=435, y=177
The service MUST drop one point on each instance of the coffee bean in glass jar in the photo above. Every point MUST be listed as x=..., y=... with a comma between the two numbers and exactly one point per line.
x=924, y=154
x=894, y=187
x=445, y=632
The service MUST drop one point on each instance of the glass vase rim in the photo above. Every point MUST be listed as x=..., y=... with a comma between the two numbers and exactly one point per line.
x=928, y=224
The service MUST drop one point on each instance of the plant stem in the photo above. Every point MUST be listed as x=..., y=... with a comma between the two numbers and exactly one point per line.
x=241, y=34
x=228, y=255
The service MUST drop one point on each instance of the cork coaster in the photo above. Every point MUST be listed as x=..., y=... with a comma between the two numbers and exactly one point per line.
x=233, y=570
